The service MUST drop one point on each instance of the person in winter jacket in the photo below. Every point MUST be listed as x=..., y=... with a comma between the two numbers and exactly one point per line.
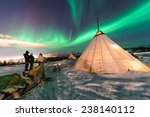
x=26, y=57
x=31, y=60
x=40, y=59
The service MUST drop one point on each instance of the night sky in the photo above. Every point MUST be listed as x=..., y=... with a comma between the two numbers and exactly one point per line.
x=69, y=25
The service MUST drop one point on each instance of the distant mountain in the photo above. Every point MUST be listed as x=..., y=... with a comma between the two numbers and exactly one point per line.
x=139, y=49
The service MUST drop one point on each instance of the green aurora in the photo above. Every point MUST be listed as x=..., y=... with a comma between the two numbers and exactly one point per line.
x=57, y=39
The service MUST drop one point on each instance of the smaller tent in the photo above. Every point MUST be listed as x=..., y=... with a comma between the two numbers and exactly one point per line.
x=71, y=56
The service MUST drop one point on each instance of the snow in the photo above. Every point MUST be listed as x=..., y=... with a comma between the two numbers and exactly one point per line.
x=71, y=84
x=6, y=70
x=66, y=83
x=146, y=59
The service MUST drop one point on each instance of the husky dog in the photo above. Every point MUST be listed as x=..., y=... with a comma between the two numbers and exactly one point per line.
x=38, y=70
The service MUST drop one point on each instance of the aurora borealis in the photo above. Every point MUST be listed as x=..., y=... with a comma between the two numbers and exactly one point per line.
x=71, y=24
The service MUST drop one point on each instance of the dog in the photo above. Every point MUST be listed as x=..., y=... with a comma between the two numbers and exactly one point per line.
x=38, y=70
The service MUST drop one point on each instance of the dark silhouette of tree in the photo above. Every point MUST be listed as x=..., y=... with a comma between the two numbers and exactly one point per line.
x=4, y=63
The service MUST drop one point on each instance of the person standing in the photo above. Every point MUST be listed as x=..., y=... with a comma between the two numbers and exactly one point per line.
x=26, y=57
x=40, y=59
x=31, y=60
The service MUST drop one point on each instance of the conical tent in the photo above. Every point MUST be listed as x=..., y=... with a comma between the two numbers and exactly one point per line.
x=104, y=56
x=71, y=56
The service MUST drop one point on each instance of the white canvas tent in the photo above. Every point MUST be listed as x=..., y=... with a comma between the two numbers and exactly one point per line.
x=104, y=56
x=71, y=56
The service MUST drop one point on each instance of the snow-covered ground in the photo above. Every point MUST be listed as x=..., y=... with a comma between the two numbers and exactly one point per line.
x=70, y=84
x=11, y=69
x=67, y=83
x=146, y=60
x=6, y=70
